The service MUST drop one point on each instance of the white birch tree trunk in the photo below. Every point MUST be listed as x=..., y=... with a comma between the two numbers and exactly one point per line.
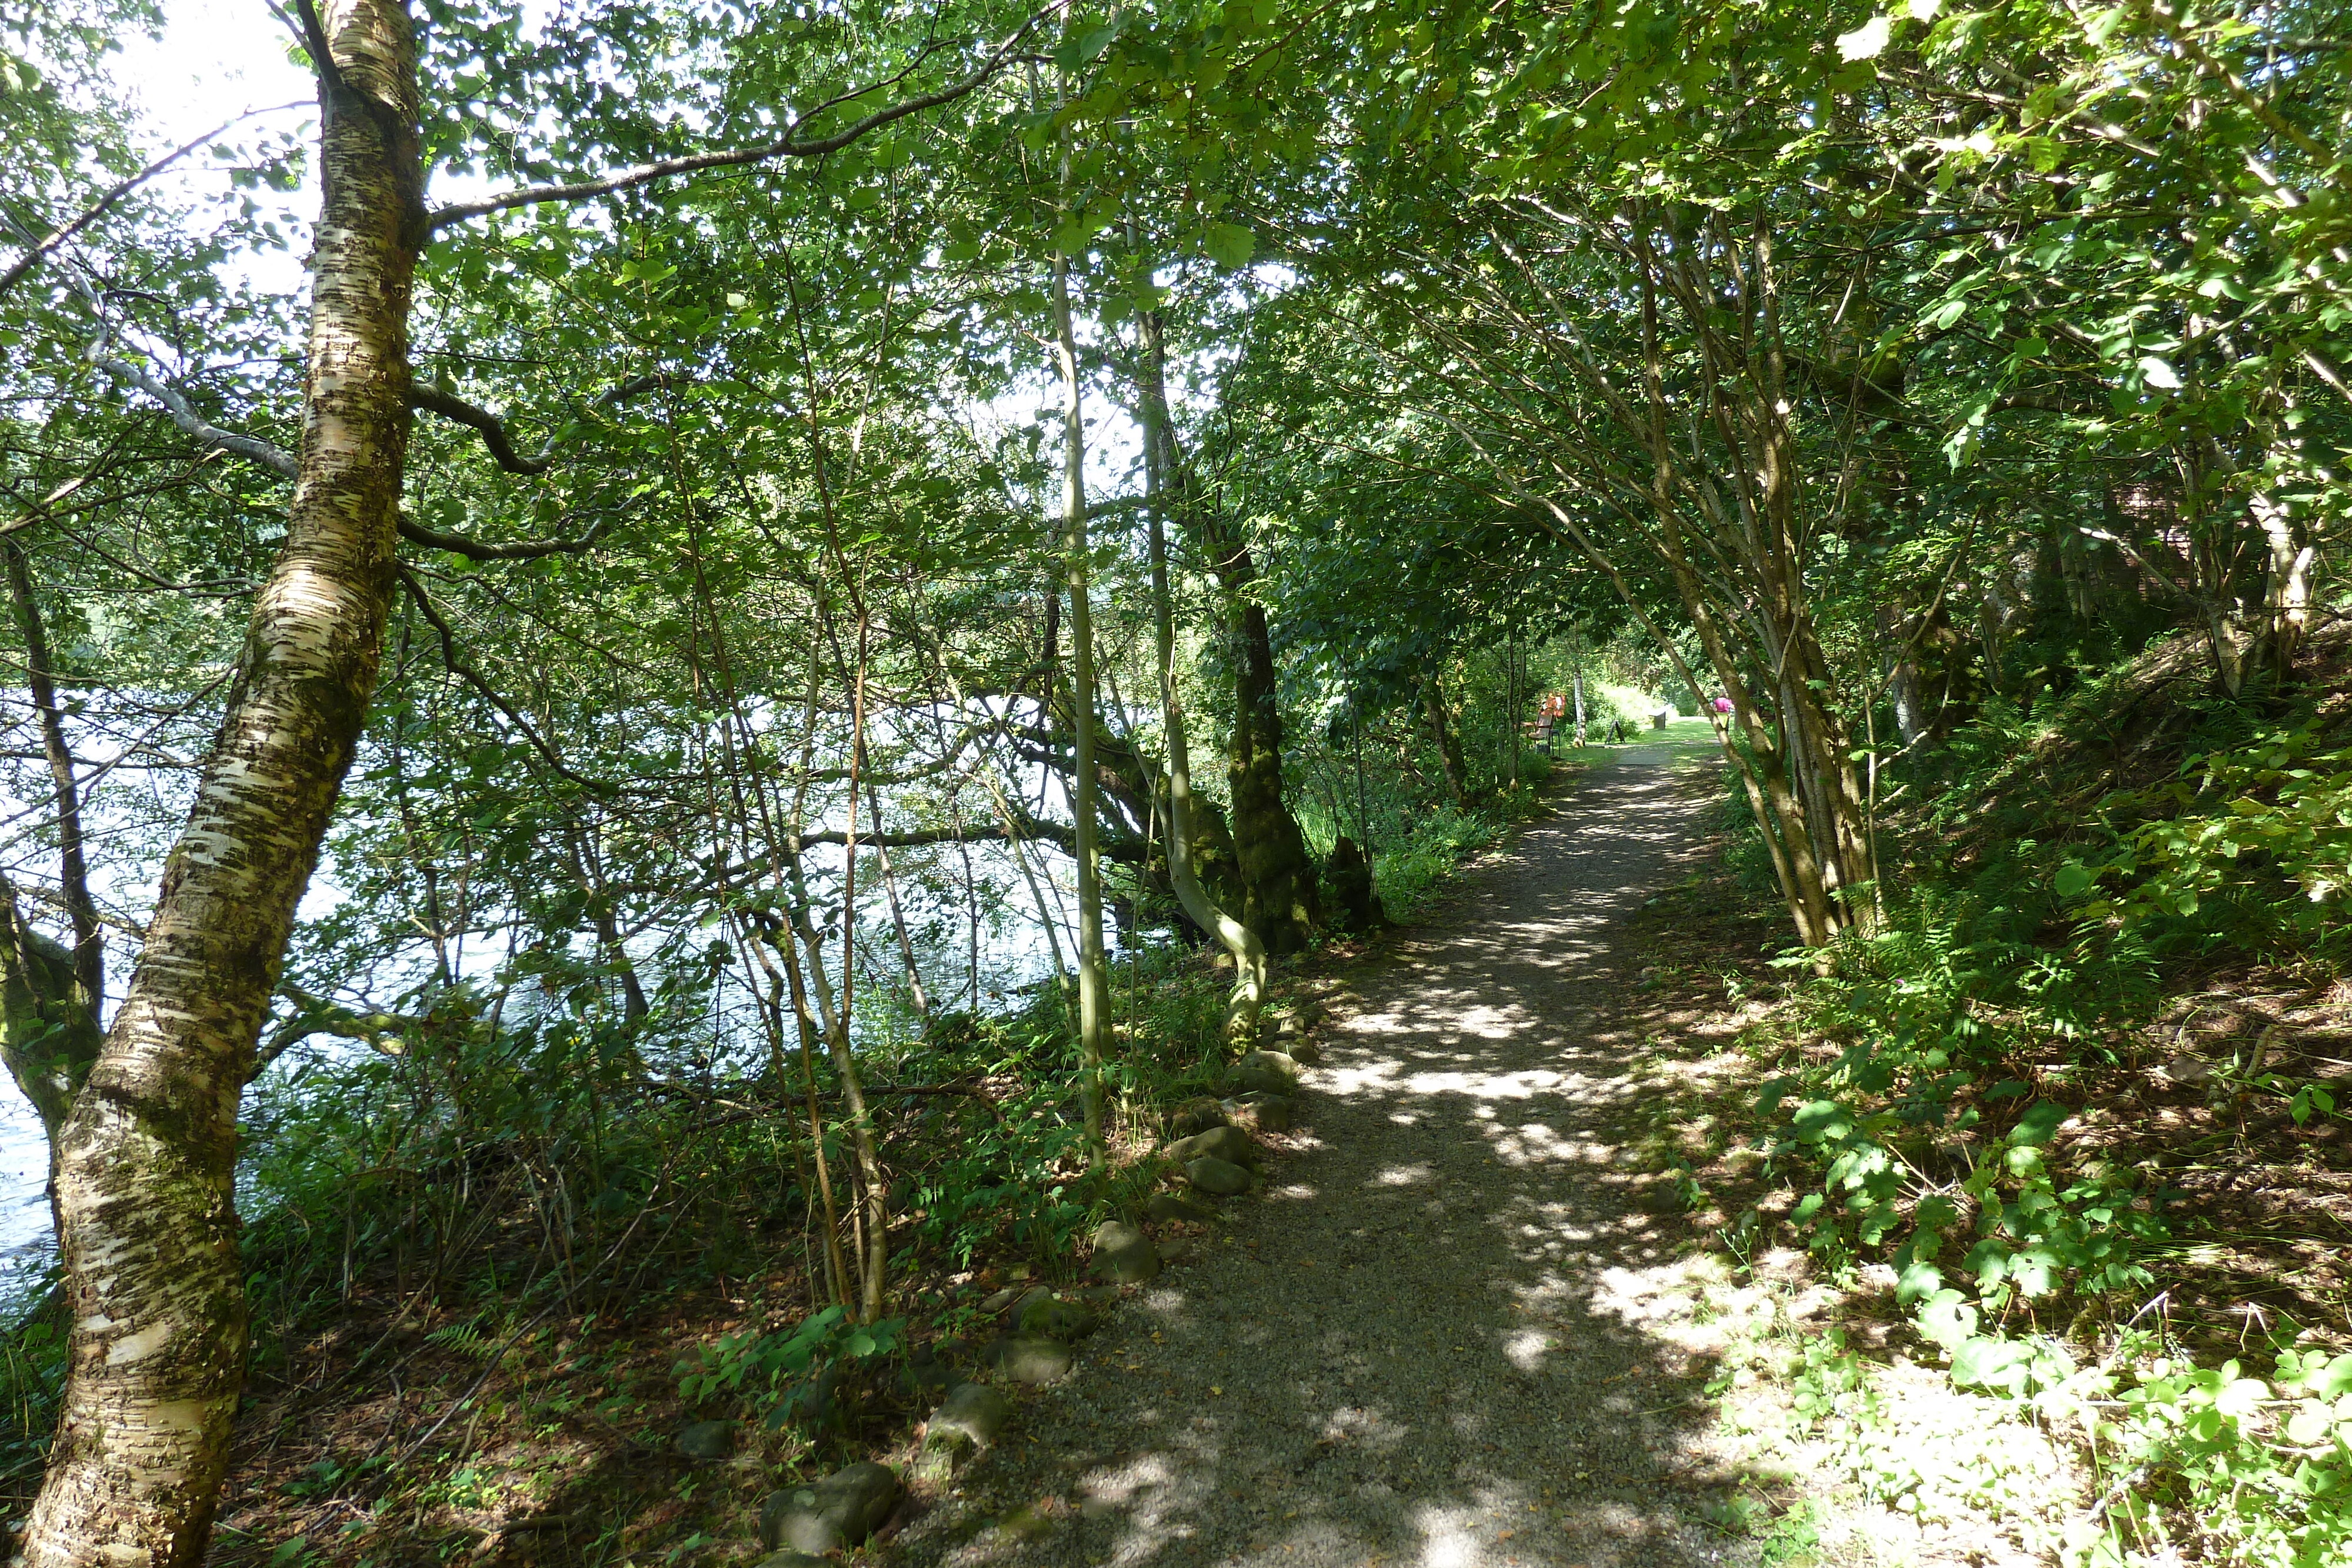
x=145, y=1167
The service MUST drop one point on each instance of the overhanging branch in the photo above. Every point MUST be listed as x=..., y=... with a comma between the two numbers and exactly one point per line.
x=38, y=250
x=458, y=666
x=493, y=429
x=788, y=145
x=475, y=549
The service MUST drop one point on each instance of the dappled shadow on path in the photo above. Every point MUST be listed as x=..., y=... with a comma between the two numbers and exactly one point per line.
x=1437, y=1338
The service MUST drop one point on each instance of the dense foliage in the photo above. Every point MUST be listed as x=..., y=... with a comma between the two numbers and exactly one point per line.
x=807, y=558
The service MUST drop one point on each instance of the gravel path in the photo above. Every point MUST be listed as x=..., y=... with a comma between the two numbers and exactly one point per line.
x=1436, y=1339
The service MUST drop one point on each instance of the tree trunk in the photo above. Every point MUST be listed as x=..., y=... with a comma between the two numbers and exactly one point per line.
x=1511, y=706
x=146, y=1167
x=1280, y=898
x=1277, y=873
x=73, y=869
x=1247, y=1001
x=614, y=956
x=915, y=995
x=1900, y=667
x=612, y=952
x=49, y=1034
x=872, y=1215
x=1798, y=769
x=1449, y=741
x=2287, y=600
x=51, y=998
x=1094, y=974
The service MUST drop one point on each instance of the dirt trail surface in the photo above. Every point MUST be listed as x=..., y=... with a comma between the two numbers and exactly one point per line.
x=1434, y=1340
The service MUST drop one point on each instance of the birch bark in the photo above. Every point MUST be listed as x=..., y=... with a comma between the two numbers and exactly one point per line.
x=146, y=1162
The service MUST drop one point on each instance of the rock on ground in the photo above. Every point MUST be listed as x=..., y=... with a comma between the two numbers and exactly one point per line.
x=1174, y=1208
x=841, y=1511
x=1041, y=1311
x=1261, y=1112
x=962, y=1427
x=1228, y=1144
x=1123, y=1254
x=1264, y=1071
x=1029, y=1358
x=1221, y=1178
x=1197, y=1114
x=707, y=1440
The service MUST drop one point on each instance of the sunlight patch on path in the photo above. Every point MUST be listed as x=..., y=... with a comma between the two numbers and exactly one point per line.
x=1449, y=1342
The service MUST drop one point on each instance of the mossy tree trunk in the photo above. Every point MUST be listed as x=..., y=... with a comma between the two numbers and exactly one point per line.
x=51, y=998
x=1278, y=877
x=1247, y=1001
x=1279, y=896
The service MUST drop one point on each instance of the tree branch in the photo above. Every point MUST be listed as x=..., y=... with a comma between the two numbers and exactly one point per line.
x=788, y=145
x=271, y=455
x=493, y=429
x=41, y=249
x=318, y=1015
x=268, y=454
x=450, y=406
x=475, y=549
x=458, y=666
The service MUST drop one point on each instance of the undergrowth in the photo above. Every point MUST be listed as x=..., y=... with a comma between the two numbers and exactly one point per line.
x=1968, y=1099
x=493, y=1247
x=494, y=1270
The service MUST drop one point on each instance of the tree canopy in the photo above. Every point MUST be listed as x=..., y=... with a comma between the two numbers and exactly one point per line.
x=750, y=495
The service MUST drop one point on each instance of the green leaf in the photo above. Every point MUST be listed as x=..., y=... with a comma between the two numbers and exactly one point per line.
x=1768, y=1097
x=1230, y=246
x=1822, y=1119
x=2073, y=879
x=1867, y=41
x=2335, y=1380
x=2311, y=1423
x=2038, y=1125
x=1992, y=1364
x=1920, y=1279
x=1947, y=1319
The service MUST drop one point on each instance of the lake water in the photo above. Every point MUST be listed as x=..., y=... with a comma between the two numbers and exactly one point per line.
x=23, y=1178
x=1015, y=957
